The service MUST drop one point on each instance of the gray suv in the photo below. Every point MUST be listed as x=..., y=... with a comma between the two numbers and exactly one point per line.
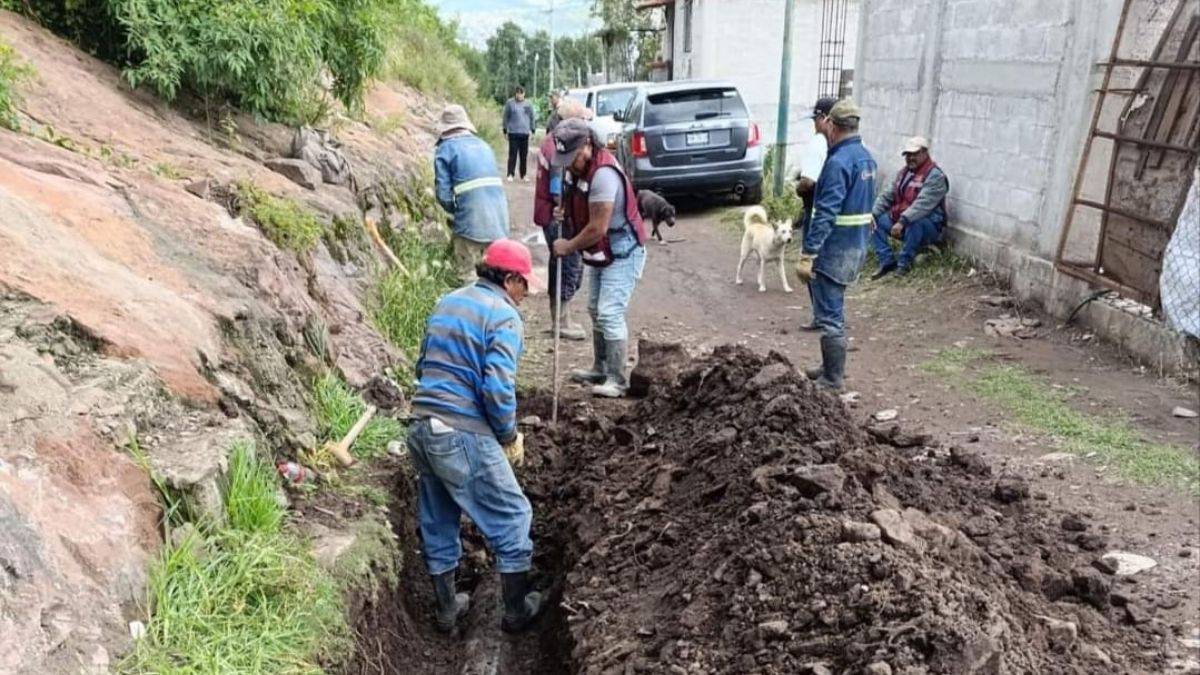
x=691, y=137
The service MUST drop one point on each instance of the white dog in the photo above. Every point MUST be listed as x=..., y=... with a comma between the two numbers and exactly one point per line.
x=767, y=241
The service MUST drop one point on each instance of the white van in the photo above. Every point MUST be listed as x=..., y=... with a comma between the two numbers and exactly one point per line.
x=605, y=100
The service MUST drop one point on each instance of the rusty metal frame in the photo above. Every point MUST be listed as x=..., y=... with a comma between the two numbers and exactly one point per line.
x=1093, y=273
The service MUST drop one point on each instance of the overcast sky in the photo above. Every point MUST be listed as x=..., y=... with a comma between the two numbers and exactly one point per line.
x=479, y=19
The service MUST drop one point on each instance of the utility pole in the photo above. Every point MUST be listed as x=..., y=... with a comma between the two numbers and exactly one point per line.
x=536, y=58
x=551, y=87
x=785, y=85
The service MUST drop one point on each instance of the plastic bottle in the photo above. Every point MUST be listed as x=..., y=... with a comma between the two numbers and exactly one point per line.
x=293, y=473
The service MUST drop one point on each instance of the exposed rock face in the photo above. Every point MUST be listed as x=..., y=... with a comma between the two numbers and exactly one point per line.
x=132, y=304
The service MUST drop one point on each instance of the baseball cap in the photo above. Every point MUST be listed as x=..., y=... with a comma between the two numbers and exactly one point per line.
x=844, y=109
x=821, y=107
x=915, y=144
x=513, y=256
x=569, y=137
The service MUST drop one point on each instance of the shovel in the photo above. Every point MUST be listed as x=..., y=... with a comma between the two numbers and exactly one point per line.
x=341, y=449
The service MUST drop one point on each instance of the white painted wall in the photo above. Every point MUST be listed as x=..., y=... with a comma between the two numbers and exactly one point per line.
x=742, y=41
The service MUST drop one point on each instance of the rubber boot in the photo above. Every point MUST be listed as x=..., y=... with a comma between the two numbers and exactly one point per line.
x=521, y=605
x=571, y=330
x=615, y=384
x=597, y=373
x=451, y=606
x=833, y=357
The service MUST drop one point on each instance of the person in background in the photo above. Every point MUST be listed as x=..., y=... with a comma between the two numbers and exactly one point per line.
x=464, y=436
x=912, y=209
x=519, y=123
x=468, y=187
x=554, y=118
x=809, y=173
x=548, y=195
x=835, y=243
x=610, y=236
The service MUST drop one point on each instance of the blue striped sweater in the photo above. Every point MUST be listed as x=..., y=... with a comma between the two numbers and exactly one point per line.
x=467, y=371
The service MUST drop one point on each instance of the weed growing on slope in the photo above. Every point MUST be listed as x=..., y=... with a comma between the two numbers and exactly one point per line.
x=336, y=409
x=400, y=302
x=288, y=224
x=246, y=597
x=250, y=501
x=13, y=73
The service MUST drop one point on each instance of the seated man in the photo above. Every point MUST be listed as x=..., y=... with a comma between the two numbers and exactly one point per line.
x=912, y=209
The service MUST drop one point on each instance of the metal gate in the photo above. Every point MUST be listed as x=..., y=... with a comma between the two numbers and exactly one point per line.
x=1140, y=153
x=833, y=47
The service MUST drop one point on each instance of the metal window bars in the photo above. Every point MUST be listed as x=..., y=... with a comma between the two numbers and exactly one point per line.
x=1129, y=245
x=833, y=46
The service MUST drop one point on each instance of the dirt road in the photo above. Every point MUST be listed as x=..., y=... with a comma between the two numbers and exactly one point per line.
x=906, y=339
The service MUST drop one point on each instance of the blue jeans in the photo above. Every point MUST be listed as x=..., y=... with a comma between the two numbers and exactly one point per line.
x=919, y=234
x=829, y=305
x=464, y=472
x=609, y=291
x=572, y=266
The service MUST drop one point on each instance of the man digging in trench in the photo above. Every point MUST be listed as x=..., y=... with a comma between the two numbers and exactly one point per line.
x=465, y=434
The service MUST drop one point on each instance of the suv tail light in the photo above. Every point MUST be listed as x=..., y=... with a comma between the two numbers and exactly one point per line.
x=637, y=144
x=755, y=136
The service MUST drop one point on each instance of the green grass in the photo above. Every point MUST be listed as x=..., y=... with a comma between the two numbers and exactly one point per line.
x=933, y=267
x=288, y=224
x=399, y=304
x=250, y=501
x=246, y=597
x=13, y=74
x=1036, y=405
x=336, y=409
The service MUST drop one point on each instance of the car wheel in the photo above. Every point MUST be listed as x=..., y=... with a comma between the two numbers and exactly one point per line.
x=752, y=195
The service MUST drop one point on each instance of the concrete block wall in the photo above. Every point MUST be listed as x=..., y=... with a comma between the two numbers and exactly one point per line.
x=1004, y=90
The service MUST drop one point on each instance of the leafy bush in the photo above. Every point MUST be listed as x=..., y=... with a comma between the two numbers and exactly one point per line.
x=285, y=222
x=13, y=72
x=337, y=408
x=786, y=206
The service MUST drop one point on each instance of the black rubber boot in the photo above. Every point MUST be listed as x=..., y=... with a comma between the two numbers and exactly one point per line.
x=451, y=606
x=598, y=373
x=833, y=358
x=521, y=605
x=615, y=384
x=883, y=271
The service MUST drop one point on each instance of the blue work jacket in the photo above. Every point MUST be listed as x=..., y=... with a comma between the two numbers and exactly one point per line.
x=841, y=219
x=468, y=187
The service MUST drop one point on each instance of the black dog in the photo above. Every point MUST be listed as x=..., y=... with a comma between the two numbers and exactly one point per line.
x=655, y=209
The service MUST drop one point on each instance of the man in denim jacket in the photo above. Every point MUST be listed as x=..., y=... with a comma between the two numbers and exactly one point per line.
x=835, y=243
x=468, y=187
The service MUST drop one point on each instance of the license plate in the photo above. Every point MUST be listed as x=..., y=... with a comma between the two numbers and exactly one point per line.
x=697, y=138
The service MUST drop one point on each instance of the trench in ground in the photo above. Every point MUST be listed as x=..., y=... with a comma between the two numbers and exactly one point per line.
x=394, y=630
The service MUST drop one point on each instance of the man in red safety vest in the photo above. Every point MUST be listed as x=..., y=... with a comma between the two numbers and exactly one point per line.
x=912, y=209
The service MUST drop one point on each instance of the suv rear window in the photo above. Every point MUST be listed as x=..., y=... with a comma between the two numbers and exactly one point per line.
x=695, y=104
x=611, y=101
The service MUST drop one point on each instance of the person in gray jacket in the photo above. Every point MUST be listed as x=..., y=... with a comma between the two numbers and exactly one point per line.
x=912, y=209
x=519, y=123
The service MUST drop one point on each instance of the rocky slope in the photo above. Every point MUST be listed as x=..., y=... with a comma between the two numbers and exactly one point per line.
x=133, y=305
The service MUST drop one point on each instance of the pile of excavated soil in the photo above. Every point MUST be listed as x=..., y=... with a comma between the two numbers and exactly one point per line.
x=738, y=521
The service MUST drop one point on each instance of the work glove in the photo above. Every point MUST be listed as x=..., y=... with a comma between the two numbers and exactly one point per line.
x=804, y=267
x=515, y=451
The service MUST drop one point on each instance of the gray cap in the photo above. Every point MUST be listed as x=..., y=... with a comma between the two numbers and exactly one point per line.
x=569, y=136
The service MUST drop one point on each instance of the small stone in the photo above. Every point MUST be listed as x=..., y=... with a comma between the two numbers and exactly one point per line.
x=1186, y=413
x=858, y=533
x=298, y=171
x=1093, y=653
x=886, y=415
x=1118, y=598
x=813, y=480
x=1136, y=615
x=1073, y=523
x=1062, y=634
x=815, y=669
x=1056, y=457
x=769, y=375
x=1090, y=586
x=1127, y=564
x=1185, y=553
x=137, y=630
x=531, y=421
x=1092, y=542
x=773, y=630
x=896, y=530
x=1011, y=490
x=878, y=668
